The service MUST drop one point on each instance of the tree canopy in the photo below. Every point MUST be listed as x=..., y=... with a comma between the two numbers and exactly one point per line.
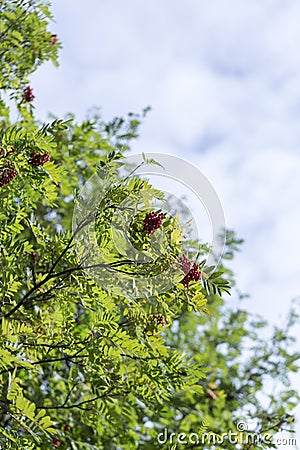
x=83, y=366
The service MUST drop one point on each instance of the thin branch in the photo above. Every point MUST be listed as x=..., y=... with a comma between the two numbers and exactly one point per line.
x=49, y=360
x=69, y=243
x=15, y=22
x=68, y=272
x=69, y=393
x=49, y=276
x=79, y=405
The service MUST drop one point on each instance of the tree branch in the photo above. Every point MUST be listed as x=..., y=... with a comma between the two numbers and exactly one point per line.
x=79, y=405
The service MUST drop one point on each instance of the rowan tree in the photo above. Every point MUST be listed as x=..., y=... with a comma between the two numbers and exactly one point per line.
x=82, y=365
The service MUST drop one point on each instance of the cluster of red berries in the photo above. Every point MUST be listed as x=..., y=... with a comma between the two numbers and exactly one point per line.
x=191, y=270
x=7, y=174
x=28, y=95
x=54, y=39
x=185, y=264
x=152, y=222
x=160, y=319
x=38, y=159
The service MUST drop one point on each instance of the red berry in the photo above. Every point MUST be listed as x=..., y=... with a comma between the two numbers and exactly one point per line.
x=152, y=222
x=54, y=39
x=7, y=174
x=160, y=319
x=57, y=443
x=192, y=272
x=67, y=427
x=37, y=159
x=28, y=95
x=185, y=264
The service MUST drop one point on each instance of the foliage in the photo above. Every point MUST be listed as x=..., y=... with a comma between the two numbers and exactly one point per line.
x=83, y=367
x=25, y=42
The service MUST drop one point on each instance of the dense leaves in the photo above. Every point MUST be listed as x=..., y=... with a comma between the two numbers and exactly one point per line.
x=83, y=366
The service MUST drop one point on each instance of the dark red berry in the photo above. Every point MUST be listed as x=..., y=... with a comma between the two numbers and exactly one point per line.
x=152, y=222
x=54, y=39
x=192, y=272
x=28, y=95
x=185, y=264
x=37, y=159
x=57, y=443
x=67, y=427
x=160, y=320
x=7, y=174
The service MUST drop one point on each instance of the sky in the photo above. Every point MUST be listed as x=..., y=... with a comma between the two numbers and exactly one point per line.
x=223, y=81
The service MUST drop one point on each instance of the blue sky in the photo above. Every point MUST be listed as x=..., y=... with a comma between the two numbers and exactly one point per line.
x=223, y=80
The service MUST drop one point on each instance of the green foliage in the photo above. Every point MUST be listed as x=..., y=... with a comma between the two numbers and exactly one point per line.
x=25, y=42
x=83, y=367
